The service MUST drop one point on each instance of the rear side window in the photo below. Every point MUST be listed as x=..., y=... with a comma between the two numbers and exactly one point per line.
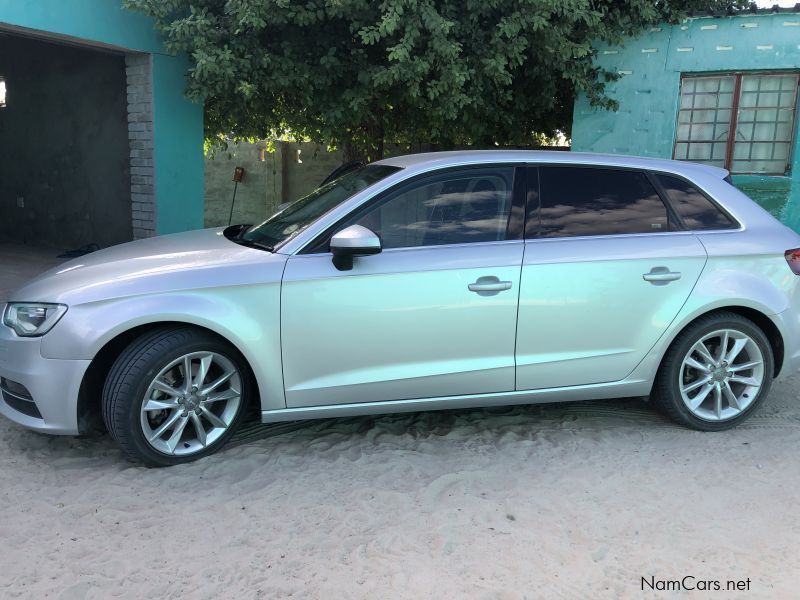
x=578, y=201
x=697, y=211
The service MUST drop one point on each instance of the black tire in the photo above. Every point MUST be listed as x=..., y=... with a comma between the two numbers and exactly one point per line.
x=666, y=392
x=133, y=371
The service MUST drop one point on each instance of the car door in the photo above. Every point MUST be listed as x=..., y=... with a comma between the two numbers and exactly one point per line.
x=605, y=272
x=433, y=314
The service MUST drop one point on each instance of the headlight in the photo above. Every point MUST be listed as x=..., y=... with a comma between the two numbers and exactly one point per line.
x=31, y=319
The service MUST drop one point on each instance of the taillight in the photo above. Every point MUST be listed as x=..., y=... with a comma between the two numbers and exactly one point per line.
x=793, y=258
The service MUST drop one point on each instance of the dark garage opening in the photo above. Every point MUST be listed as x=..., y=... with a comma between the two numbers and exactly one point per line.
x=64, y=153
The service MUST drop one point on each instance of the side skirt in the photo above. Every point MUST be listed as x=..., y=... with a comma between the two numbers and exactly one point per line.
x=620, y=389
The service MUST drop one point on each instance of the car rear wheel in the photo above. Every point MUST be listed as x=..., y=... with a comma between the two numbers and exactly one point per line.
x=716, y=372
x=174, y=395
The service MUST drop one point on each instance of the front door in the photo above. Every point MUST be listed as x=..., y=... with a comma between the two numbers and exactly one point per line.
x=434, y=314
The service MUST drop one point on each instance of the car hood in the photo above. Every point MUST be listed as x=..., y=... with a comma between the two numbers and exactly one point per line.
x=190, y=260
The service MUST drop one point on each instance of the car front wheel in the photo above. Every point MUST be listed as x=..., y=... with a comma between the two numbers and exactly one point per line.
x=174, y=395
x=716, y=372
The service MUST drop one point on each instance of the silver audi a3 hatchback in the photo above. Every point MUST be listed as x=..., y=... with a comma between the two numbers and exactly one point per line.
x=421, y=282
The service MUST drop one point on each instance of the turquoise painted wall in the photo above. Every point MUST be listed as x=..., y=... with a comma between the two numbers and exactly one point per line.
x=103, y=21
x=648, y=91
x=177, y=122
x=179, y=154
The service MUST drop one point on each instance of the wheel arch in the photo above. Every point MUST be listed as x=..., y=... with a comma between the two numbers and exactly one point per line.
x=759, y=318
x=769, y=328
x=91, y=388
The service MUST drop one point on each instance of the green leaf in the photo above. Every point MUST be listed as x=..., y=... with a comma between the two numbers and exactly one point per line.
x=357, y=73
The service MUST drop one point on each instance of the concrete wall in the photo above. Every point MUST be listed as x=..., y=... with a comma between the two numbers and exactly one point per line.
x=291, y=171
x=257, y=196
x=177, y=123
x=649, y=87
x=271, y=178
x=63, y=145
x=305, y=166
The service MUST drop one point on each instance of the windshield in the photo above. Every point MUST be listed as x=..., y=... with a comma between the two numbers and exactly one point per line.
x=290, y=221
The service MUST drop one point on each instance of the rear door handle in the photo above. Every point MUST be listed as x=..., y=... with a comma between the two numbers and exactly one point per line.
x=661, y=276
x=489, y=284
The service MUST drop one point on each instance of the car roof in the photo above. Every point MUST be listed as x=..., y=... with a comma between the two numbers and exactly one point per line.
x=468, y=157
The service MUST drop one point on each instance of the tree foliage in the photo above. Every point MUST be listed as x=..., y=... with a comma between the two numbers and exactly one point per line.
x=354, y=73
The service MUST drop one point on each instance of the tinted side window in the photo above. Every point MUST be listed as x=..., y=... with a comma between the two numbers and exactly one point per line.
x=452, y=208
x=589, y=201
x=697, y=211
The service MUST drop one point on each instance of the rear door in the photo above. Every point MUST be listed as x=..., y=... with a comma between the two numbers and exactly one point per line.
x=605, y=272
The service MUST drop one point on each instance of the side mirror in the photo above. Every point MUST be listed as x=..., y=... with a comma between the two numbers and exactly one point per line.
x=351, y=242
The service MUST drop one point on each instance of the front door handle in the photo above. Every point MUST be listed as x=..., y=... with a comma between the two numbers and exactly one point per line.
x=661, y=276
x=490, y=284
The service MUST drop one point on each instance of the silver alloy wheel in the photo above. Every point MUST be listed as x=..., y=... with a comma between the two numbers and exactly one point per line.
x=191, y=403
x=721, y=375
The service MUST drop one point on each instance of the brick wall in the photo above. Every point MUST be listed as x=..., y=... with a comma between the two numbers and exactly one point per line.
x=138, y=69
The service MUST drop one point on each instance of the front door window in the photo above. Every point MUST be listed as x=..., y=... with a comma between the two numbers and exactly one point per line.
x=471, y=205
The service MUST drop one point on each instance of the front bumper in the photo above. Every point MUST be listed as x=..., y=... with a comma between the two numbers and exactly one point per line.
x=53, y=384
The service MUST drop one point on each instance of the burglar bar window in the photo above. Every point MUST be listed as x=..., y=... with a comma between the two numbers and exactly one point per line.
x=759, y=108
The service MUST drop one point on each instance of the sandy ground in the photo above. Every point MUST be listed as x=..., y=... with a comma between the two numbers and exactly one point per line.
x=556, y=501
x=574, y=500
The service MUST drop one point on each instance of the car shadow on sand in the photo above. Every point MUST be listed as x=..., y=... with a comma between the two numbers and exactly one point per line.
x=596, y=419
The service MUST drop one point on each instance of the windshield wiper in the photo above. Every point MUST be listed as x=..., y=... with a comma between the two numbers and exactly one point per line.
x=235, y=233
x=253, y=244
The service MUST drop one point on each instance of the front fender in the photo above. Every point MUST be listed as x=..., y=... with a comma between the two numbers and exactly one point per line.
x=247, y=316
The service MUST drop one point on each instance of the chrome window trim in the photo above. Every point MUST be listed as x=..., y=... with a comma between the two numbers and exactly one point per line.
x=532, y=240
x=297, y=244
x=428, y=172
x=629, y=235
x=714, y=202
x=664, y=199
x=433, y=247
